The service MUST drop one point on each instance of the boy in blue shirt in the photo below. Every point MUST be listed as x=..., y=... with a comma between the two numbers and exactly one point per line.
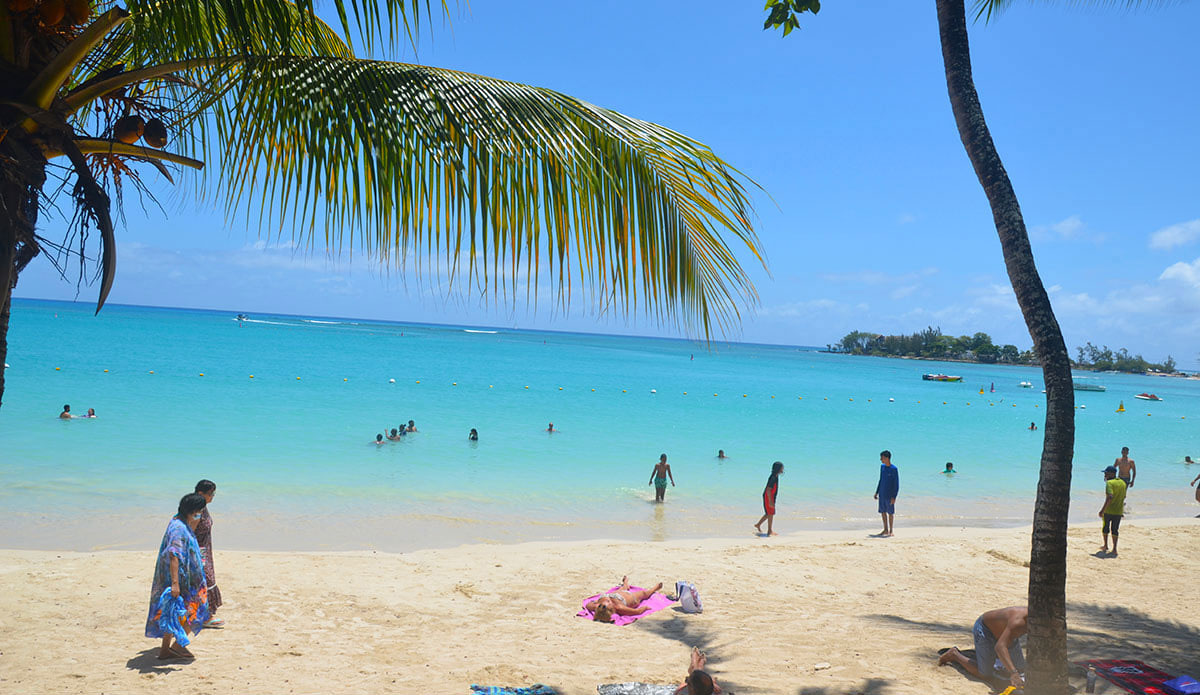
x=886, y=491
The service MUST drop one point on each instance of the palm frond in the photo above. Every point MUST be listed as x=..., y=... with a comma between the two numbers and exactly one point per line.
x=509, y=181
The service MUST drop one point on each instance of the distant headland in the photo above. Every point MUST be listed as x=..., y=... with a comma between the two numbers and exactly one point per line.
x=932, y=344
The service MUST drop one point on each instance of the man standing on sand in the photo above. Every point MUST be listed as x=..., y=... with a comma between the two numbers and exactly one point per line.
x=1125, y=469
x=996, y=646
x=1114, y=506
x=658, y=478
x=886, y=491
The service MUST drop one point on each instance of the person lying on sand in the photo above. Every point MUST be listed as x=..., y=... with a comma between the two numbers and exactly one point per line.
x=997, y=651
x=623, y=601
x=698, y=682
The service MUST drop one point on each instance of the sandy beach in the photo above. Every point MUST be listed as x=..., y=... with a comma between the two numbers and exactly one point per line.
x=814, y=613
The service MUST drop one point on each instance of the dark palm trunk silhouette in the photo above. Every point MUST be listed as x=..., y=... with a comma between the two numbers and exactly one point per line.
x=1048, y=558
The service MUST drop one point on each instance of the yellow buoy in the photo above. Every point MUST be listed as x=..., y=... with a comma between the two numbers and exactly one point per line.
x=743, y=395
x=489, y=386
x=151, y=371
x=714, y=395
x=345, y=379
x=251, y=376
x=772, y=397
x=799, y=398
x=105, y=371
x=560, y=388
x=593, y=390
x=297, y=378
x=201, y=373
x=623, y=391
x=418, y=381
x=685, y=393
x=851, y=400
x=981, y=390
x=1121, y=407
x=455, y=383
x=58, y=369
x=526, y=388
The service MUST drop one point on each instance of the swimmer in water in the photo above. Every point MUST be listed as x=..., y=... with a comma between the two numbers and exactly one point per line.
x=1032, y=426
x=378, y=440
x=550, y=428
x=949, y=469
x=473, y=436
x=66, y=413
x=412, y=426
x=395, y=435
x=91, y=412
x=721, y=454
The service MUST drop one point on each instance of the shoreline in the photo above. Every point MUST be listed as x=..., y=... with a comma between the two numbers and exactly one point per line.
x=819, y=610
x=389, y=529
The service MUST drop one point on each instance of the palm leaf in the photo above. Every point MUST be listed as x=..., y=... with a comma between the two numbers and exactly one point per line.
x=504, y=181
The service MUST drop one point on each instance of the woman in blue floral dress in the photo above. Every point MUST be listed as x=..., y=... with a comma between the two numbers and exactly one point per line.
x=179, y=596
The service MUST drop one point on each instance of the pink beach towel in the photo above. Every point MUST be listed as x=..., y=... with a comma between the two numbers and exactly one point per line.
x=657, y=602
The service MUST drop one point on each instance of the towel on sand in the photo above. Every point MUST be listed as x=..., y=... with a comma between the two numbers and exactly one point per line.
x=635, y=689
x=536, y=689
x=657, y=602
x=1133, y=676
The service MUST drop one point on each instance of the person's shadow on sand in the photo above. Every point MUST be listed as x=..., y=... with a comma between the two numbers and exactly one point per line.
x=147, y=661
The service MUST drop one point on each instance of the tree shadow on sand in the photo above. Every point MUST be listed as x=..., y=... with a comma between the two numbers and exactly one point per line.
x=1094, y=632
x=147, y=661
x=677, y=627
x=870, y=686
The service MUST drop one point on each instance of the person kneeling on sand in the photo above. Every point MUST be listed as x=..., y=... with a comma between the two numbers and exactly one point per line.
x=622, y=601
x=996, y=647
x=698, y=682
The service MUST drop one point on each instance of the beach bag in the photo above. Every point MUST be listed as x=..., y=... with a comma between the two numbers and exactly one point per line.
x=1183, y=685
x=689, y=597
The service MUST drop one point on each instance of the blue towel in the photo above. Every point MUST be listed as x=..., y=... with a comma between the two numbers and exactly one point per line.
x=536, y=689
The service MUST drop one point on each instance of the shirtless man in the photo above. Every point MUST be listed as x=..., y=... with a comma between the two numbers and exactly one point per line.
x=1125, y=469
x=658, y=478
x=698, y=682
x=66, y=413
x=996, y=647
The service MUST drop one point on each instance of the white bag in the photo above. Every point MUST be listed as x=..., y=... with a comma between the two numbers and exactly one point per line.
x=689, y=597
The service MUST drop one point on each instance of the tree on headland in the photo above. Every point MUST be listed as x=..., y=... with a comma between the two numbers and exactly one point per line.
x=1048, y=556
x=492, y=183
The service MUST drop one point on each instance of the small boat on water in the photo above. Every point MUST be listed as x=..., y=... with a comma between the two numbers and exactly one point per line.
x=1081, y=385
x=1148, y=397
x=940, y=377
x=1026, y=384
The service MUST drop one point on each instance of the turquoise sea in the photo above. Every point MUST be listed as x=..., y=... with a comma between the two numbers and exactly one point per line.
x=290, y=449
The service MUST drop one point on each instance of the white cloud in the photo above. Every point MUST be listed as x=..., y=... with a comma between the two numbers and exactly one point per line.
x=1175, y=235
x=811, y=308
x=1068, y=229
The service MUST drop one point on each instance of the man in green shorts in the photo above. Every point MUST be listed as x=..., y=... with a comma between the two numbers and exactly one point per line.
x=1114, y=507
x=658, y=478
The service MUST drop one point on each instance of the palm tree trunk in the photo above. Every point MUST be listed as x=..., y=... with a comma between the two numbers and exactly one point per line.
x=1048, y=559
x=8, y=276
x=20, y=185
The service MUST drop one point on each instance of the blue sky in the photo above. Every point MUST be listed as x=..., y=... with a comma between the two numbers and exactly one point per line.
x=875, y=220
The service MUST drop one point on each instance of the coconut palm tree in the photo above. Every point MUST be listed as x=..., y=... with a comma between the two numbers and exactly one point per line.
x=1048, y=558
x=491, y=183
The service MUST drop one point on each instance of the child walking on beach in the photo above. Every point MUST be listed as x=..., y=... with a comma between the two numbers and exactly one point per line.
x=769, y=494
x=886, y=491
x=658, y=478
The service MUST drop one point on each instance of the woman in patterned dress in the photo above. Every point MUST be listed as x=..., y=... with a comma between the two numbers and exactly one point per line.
x=179, y=595
x=208, y=489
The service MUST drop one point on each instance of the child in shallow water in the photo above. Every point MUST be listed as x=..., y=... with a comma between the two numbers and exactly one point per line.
x=658, y=478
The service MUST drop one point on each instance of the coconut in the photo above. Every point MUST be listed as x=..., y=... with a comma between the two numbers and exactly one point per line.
x=52, y=11
x=79, y=11
x=155, y=134
x=129, y=129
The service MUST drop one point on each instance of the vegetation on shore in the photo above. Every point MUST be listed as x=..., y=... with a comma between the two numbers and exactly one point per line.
x=931, y=343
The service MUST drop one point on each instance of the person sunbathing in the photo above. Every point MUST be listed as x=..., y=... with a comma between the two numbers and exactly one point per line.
x=622, y=601
x=698, y=682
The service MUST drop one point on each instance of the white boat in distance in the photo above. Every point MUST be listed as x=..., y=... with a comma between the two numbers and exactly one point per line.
x=1081, y=385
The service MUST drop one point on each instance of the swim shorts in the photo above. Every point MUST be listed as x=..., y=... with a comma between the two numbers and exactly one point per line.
x=886, y=506
x=768, y=503
x=660, y=483
x=985, y=652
